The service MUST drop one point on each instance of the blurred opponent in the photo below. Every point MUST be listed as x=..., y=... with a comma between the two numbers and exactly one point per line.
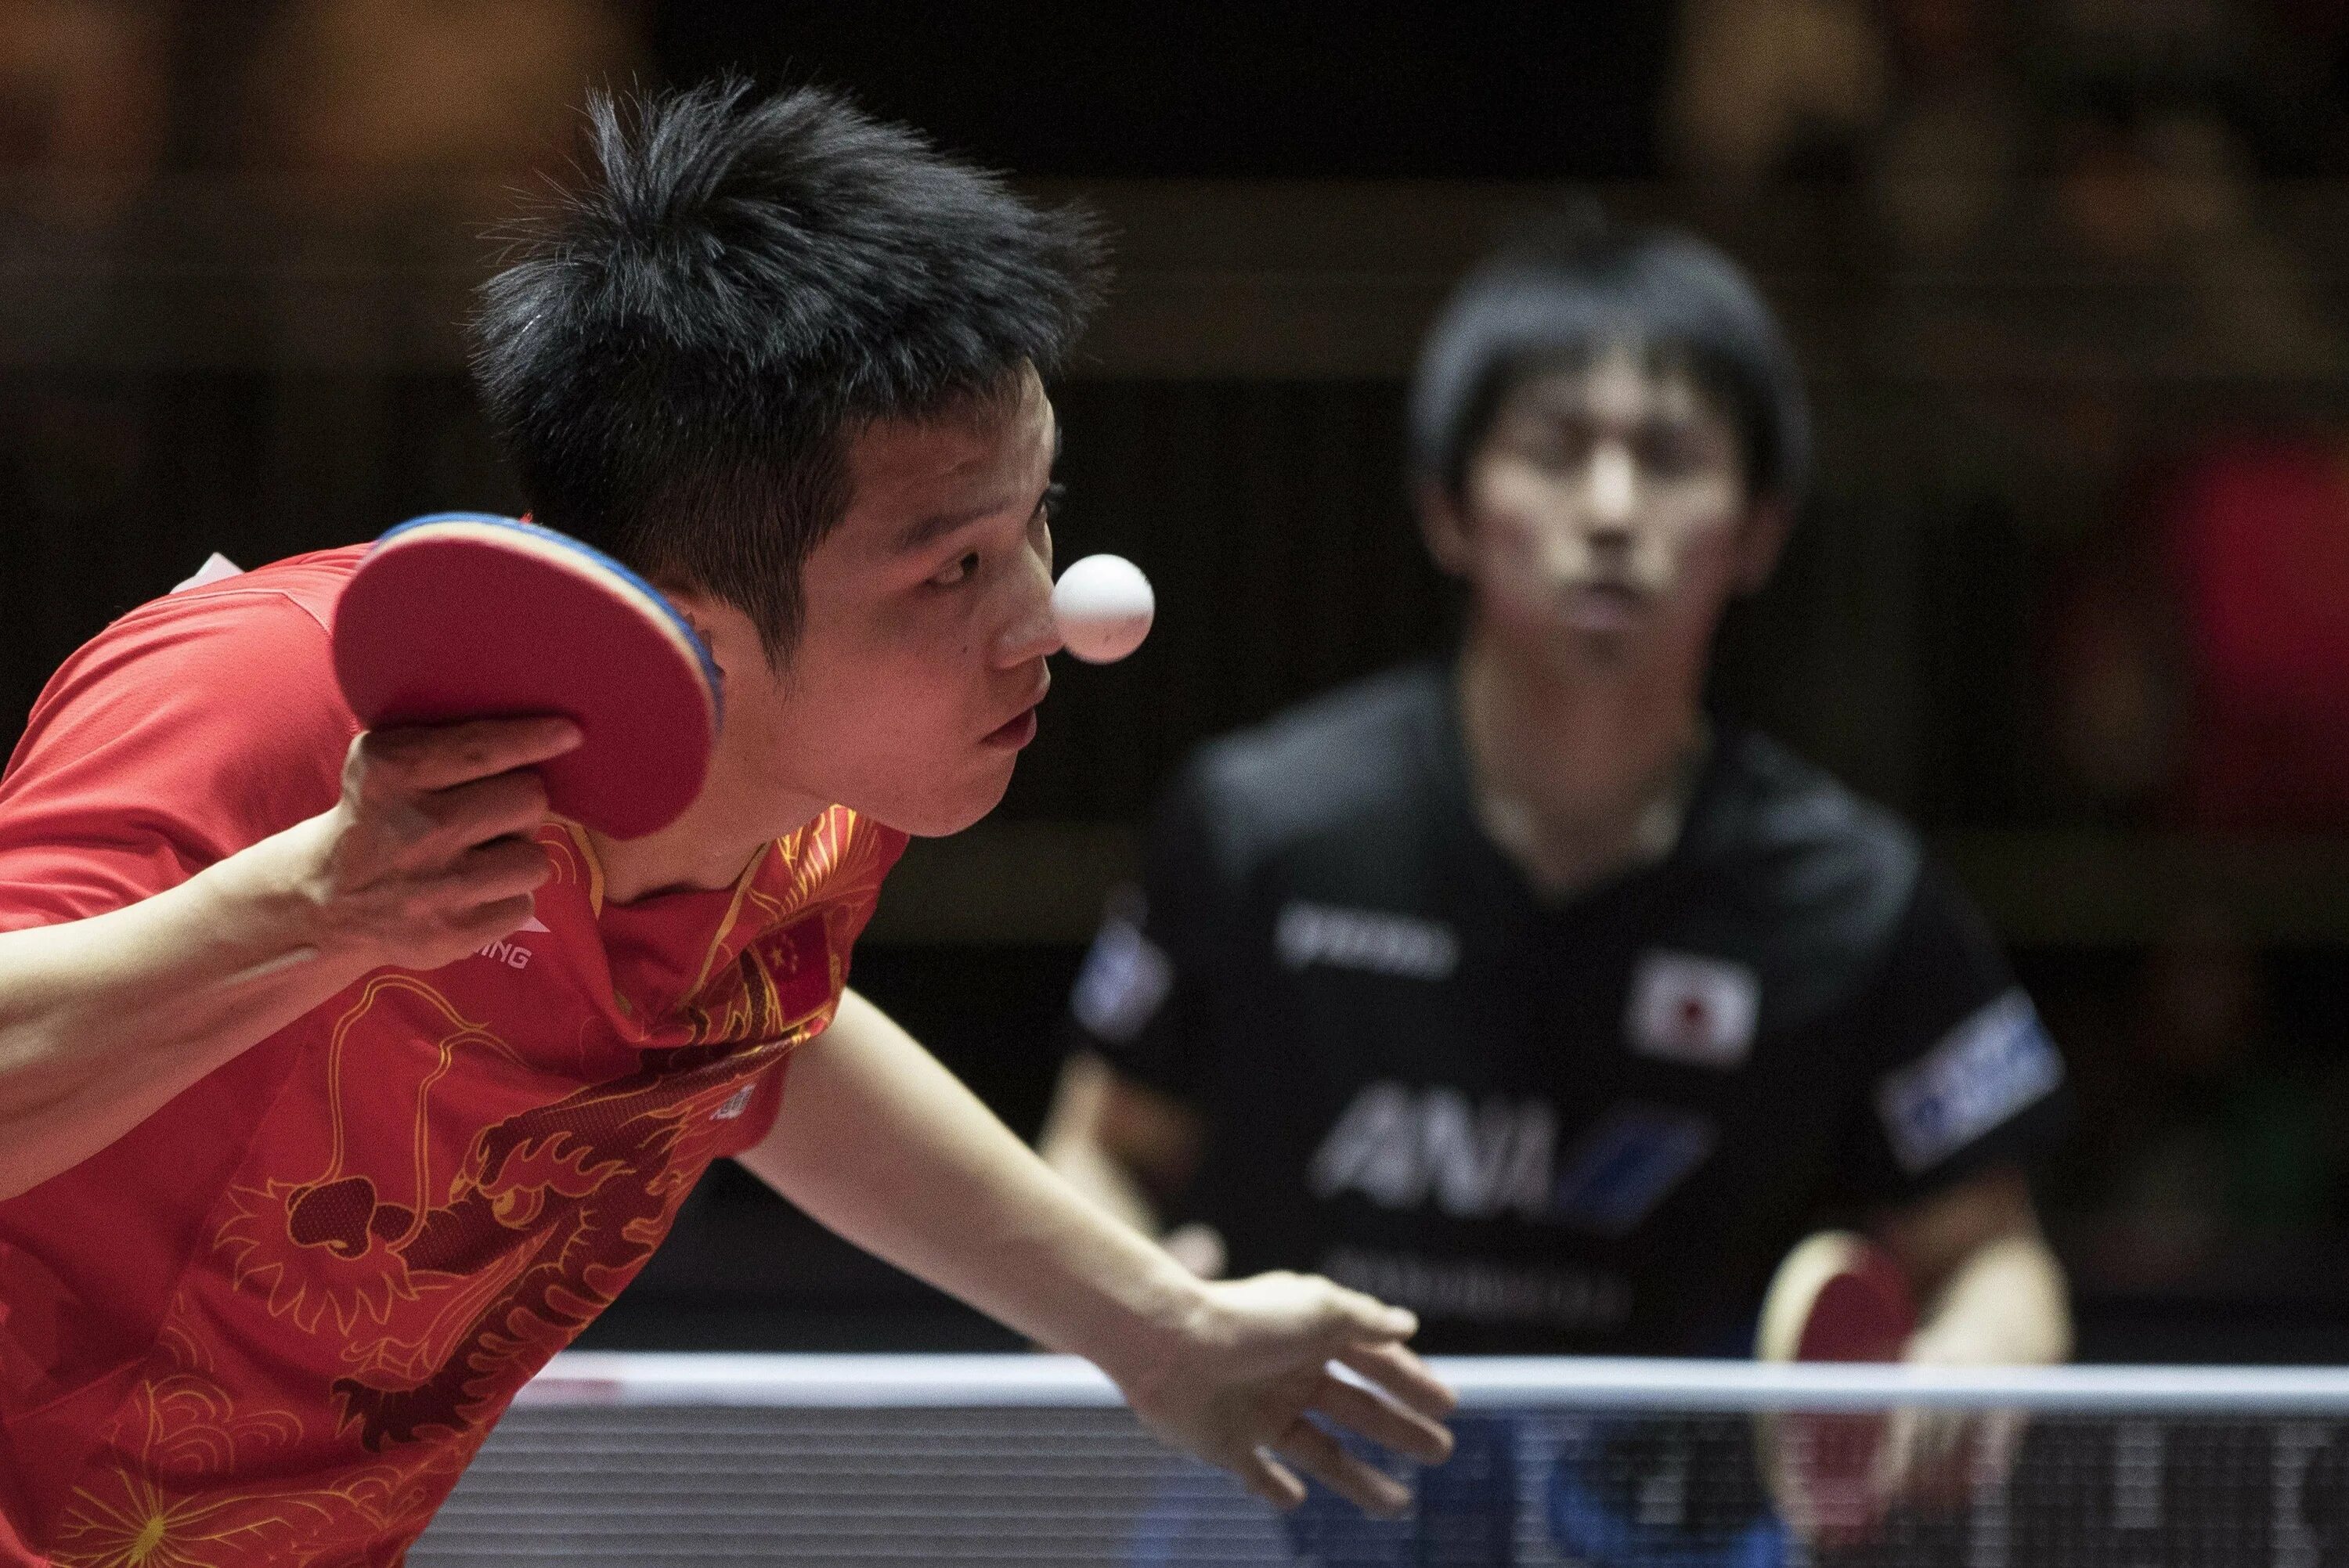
x=1515, y=986
x=340, y=1087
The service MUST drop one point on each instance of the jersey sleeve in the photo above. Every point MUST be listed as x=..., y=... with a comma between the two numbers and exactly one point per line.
x=1961, y=1073
x=178, y=736
x=1140, y=996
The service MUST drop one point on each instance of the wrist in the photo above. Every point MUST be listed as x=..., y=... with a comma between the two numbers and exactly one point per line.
x=266, y=902
x=1162, y=1312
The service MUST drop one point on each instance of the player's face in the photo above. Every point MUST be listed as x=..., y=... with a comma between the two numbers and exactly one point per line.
x=1605, y=514
x=928, y=618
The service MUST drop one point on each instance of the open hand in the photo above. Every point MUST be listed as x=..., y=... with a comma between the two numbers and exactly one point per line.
x=1260, y=1357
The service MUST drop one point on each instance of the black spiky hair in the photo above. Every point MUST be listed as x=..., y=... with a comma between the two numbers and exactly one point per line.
x=1573, y=283
x=674, y=358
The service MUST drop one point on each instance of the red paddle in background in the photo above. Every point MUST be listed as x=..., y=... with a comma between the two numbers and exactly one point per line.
x=464, y=616
x=1838, y=1296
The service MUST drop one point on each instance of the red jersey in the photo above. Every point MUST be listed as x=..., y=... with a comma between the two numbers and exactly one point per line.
x=271, y=1323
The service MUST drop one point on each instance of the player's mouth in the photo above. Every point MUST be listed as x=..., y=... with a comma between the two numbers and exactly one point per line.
x=1603, y=605
x=1011, y=736
x=1020, y=729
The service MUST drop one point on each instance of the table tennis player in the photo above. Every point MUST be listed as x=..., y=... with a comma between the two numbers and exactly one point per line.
x=1516, y=986
x=339, y=1087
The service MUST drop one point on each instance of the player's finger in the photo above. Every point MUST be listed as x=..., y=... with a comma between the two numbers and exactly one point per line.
x=1385, y=1423
x=1350, y=1318
x=1997, y=1440
x=1403, y=1374
x=504, y=868
x=1941, y=1436
x=503, y=805
x=1268, y=1479
x=1949, y=1447
x=1925, y=1455
x=1320, y=1456
x=1894, y=1467
x=438, y=756
x=492, y=922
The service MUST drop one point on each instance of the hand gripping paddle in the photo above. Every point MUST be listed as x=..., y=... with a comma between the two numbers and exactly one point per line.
x=462, y=615
x=1838, y=1297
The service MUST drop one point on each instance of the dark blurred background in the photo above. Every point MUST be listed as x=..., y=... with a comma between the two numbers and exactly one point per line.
x=2069, y=278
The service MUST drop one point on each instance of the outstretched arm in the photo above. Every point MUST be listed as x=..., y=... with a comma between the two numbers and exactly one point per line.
x=878, y=1141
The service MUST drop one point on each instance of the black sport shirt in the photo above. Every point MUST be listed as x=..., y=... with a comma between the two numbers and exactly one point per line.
x=1592, y=1125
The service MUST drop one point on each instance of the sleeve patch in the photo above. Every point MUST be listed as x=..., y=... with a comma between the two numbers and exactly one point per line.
x=1123, y=982
x=1993, y=1065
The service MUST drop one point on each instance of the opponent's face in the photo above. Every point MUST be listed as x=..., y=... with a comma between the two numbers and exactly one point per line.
x=928, y=618
x=1605, y=514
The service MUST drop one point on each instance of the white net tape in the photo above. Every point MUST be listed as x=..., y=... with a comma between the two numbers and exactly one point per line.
x=647, y=1460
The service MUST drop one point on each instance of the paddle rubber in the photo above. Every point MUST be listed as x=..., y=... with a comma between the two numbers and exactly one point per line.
x=464, y=616
x=1838, y=1297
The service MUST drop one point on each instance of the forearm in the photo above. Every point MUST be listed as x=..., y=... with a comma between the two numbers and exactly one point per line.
x=882, y=1145
x=1087, y=1168
x=2003, y=1304
x=104, y=1020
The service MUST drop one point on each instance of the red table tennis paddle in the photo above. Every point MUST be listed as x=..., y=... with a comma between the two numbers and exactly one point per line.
x=462, y=615
x=1838, y=1297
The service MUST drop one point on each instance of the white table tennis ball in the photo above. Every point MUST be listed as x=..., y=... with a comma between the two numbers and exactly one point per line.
x=1102, y=606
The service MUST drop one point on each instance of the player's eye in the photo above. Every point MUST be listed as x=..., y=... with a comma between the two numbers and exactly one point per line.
x=965, y=567
x=1557, y=448
x=1674, y=453
x=1049, y=507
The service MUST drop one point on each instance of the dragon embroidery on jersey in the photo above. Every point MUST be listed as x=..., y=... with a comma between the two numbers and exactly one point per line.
x=470, y=1279
x=438, y=1253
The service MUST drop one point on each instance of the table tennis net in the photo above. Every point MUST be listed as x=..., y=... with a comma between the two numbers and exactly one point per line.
x=707, y=1461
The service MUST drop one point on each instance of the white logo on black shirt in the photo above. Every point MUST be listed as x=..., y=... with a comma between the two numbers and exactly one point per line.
x=1383, y=944
x=1410, y=1148
x=1401, y=1148
x=1994, y=1064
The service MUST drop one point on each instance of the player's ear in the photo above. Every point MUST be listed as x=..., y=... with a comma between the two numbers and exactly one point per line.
x=705, y=614
x=1443, y=524
x=1760, y=540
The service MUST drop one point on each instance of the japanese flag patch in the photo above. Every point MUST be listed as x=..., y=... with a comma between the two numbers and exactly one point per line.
x=1699, y=1011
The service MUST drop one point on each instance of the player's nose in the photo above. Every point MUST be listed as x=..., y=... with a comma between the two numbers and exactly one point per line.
x=1030, y=632
x=1613, y=488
